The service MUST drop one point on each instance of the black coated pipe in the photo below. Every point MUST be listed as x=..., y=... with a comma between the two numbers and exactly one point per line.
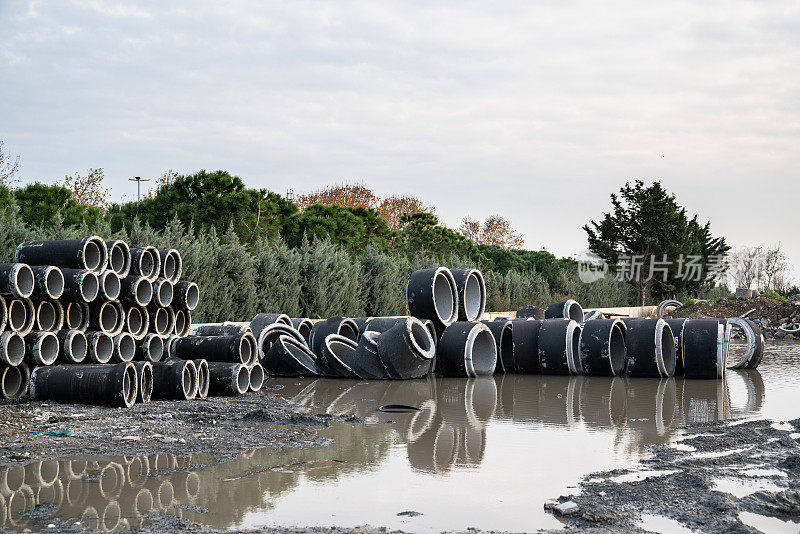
x=754, y=337
x=145, y=262
x=12, y=348
x=49, y=282
x=137, y=322
x=303, y=326
x=503, y=332
x=335, y=352
x=361, y=323
x=187, y=295
x=159, y=321
x=110, y=285
x=232, y=349
x=145, y=372
x=566, y=309
x=16, y=280
x=124, y=348
x=150, y=348
x=651, y=348
x=333, y=325
x=49, y=315
x=225, y=329
x=467, y=350
x=559, y=347
x=104, y=317
x=162, y=292
x=471, y=294
x=3, y=314
x=18, y=316
x=119, y=257
x=171, y=264
x=183, y=320
x=525, y=341
x=115, y=385
x=382, y=324
x=363, y=359
x=262, y=320
x=136, y=290
x=80, y=285
x=704, y=352
x=227, y=379
x=432, y=294
x=602, y=347
x=76, y=315
x=203, y=378
x=13, y=381
x=676, y=325
x=407, y=349
x=526, y=311
x=41, y=348
x=73, y=346
x=256, y=377
x=174, y=379
x=88, y=253
x=101, y=347
x=289, y=357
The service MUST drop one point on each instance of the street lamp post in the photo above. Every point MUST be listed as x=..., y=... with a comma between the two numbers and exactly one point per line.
x=138, y=181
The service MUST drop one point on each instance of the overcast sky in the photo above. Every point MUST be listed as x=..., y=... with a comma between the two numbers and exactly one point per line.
x=533, y=110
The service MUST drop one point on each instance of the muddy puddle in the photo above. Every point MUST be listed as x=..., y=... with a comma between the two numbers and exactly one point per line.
x=484, y=453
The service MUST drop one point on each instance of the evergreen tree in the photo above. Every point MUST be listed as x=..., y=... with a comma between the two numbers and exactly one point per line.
x=329, y=281
x=277, y=278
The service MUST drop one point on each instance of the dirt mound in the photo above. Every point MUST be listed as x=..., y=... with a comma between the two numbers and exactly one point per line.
x=766, y=312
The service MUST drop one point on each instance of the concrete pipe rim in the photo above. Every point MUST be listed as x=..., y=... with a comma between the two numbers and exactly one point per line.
x=110, y=285
x=665, y=349
x=107, y=317
x=75, y=316
x=299, y=352
x=46, y=317
x=17, y=315
x=241, y=379
x=90, y=255
x=89, y=286
x=194, y=384
x=75, y=346
x=617, y=351
x=336, y=344
x=156, y=259
x=245, y=350
x=445, y=295
x=474, y=295
x=506, y=345
x=134, y=320
x=53, y=282
x=125, y=347
x=119, y=257
x=480, y=352
x=161, y=321
x=420, y=339
x=203, y=379
x=750, y=341
x=102, y=346
x=47, y=347
x=23, y=281
x=143, y=291
x=11, y=381
x=347, y=328
x=154, y=345
x=30, y=317
x=146, y=382
x=180, y=323
x=573, y=310
x=722, y=352
x=256, y=377
x=168, y=266
x=191, y=296
x=13, y=345
x=145, y=264
x=572, y=347
x=164, y=292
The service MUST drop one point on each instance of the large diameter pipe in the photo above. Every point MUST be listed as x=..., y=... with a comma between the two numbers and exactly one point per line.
x=101, y=347
x=119, y=257
x=137, y=322
x=256, y=377
x=73, y=346
x=136, y=290
x=525, y=342
x=651, y=348
x=80, y=285
x=344, y=357
x=407, y=349
x=115, y=385
x=566, y=309
x=677, y=325
x=49, y=315
x=110, y=285
x=41, y=348
x=174, y=379
x=89, y=253
x=76, y=315
x=224, y=329
x=146, y=262
x=105, y=318
x=262, y=320
x=162, y=292
x=754, y=347
x=144, y=370
x=124, y=348
x=270, y=335
x=13, y=381
x=203, y=378
x=183, y=321
x=49, y=282
x=19, y=318
x=432, y=294
x=559, y=347
x=12, y=348
x=227, y=379
x=289, y=357
x=530, y=311
x=3, y=314
x=16, y=280
x=231, y=349
x=304, y=326
x=160, y=321
x=503, y=332
x=342, y=326
x=602, y=347
x=150, y=348
x=467, y=350
x=704, y=352
x=171, y=264
x=187, y=295
x=471, y=294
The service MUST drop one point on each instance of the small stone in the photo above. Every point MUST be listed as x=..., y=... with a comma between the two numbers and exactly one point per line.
x=567, y=508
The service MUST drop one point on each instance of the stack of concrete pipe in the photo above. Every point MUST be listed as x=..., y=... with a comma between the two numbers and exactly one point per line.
x=86, y=320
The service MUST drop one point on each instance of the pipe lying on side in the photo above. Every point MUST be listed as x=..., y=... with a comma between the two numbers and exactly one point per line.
x=104, y=317
x=49, y=315
x=174, y=379
x=76, y=316
x=101, y=347
x=566, y=309
x=704, y=351
x=337, y=350
x=162, y=292
x=289, y=357
x=602, y=347
x=12, y=348
x=225, y=329
x=263, y=320
x=529, y=311
x=361, y=357
x=3, y=314
x=41, y=348
x=677, y=325
x=471, y=294
x=89, y=253
x=231, y=349
x=160, y=320
x=203, y=378
x=502, y=331
x=407, y=349
x=651, y=348
x=115, y=385
x=559, y=347
x=432, y=294
x=74, y=346
x=342, y=326
x=16, y=280
x=187, y=295
x=136, y=290
x=171, y=264
x=110, y=285
x=256, y=377
x=80, y=285
x=19, y=318
x=183, y=321
x=227, y=379
x=49, y=282
x=145, y=262
x=137, y=322
x=145, y=372
x=119, y=257
x=303, y=325
x=754, y=348
x=467, y=350
x=525, y=341
x=150, y=348
x=124, y=348
x=13, y=381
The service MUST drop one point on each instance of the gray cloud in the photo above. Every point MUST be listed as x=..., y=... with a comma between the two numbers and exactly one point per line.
x=533, y=110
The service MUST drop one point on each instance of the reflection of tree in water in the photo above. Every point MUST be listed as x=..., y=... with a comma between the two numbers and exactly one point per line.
x=449, y=429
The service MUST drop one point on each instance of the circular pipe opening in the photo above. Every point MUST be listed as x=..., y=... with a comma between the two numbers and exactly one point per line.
x=89, y=286
x=111, y=285
x=192, y=296
x=46, y=315
x=108, y=317
x=23, y=280
x=11, y=381
x=54, y=283
x=668, y=356
x=146, y=264
x=616, y=349
x=161, y=321
x=91, y=255
x=116, y=258
x=483, y=352
x=443, y=301
x=165, y=293
x=74, y=316
x=17, y=315
x=245, y=350
x=155, y=348
x=304, y=328
x=77, y=346
x=14, y=348
x=48, y=348
x=169, y=266
x=146, y=383
x=473, y=297
x=104, y=348
x=180, y=323
x=256, y=377
x=574, y=311
x=506, y=343
x=348, y=329
x=203, y=379
x=144, y=291
x=243, y=379
x=187, y=380
x=126, y=347
x=575, y=350
x=129, y=381
x=134, y=321
x=421, y=339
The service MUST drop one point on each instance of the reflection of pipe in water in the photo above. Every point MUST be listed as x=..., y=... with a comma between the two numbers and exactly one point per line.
x=52, y=494
x=19, y=502
x=421, y=421
x=11, y=479
x=186, y=485
x=472, y=446
x=160, y=463
x=603, y=401
x=135, y=504
x=137, y=471
x=110, y=517
x=704, y=401
x=755, y=390
x=112, y=480
x=435, y=450
x=73, y=468
x=3, y=511
x=90, y=519
x=651, y=407
x=163, y=493
x=467, y=402
x=42, y=473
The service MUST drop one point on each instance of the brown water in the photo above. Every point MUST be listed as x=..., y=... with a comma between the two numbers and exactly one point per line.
x=482, y=453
